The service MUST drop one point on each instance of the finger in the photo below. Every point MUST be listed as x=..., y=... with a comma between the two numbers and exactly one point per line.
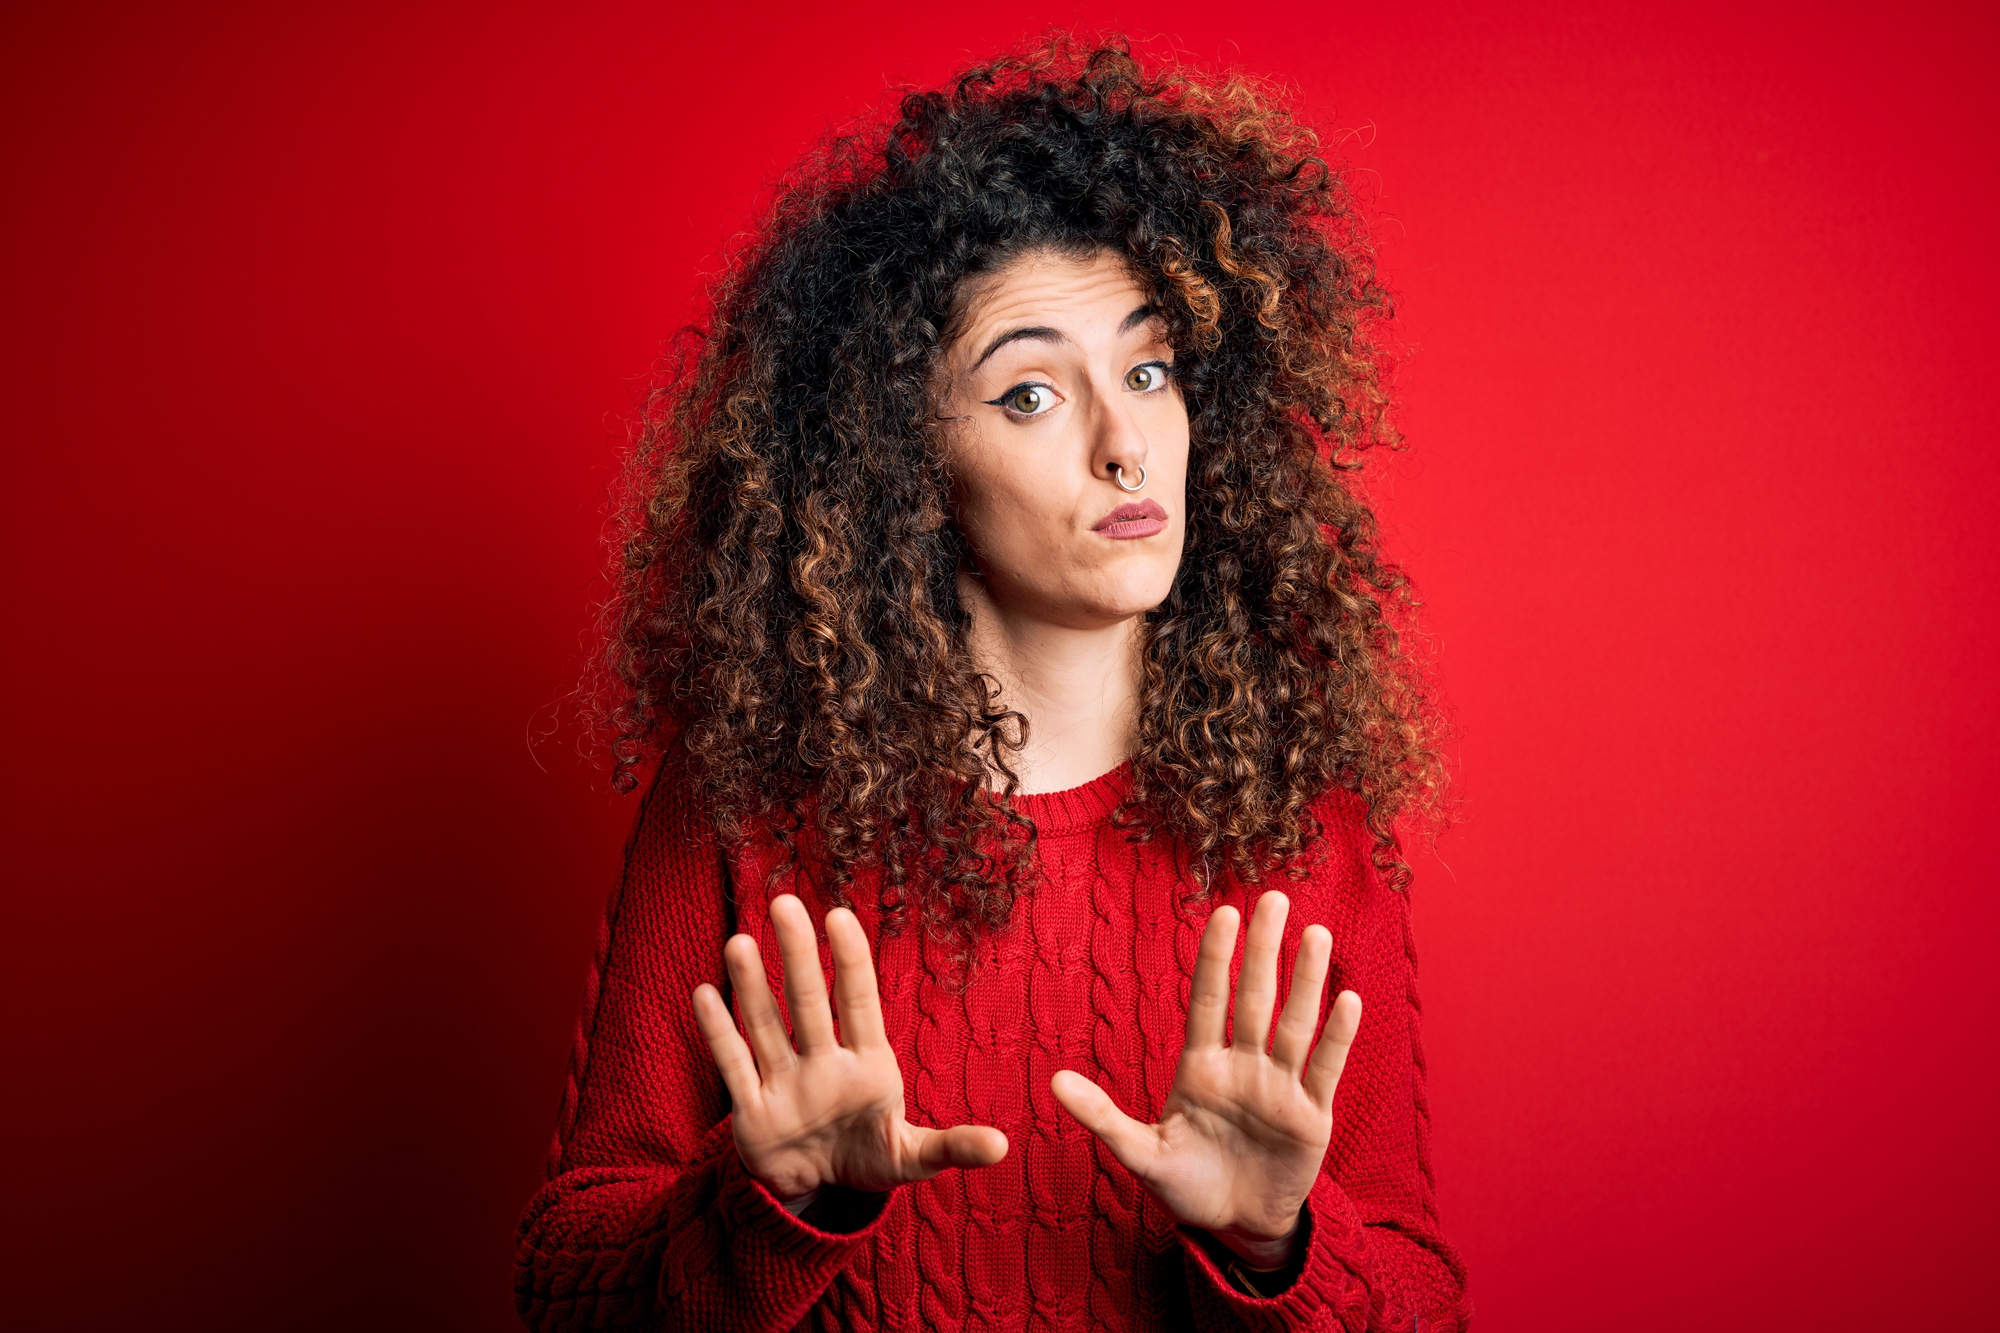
x=805, y=984
x=726, y=1044
x=854, y=983
x=1295, y=1028
x=761, y=1023
x=1133, y=1144
x=937, y=1150
x=1322, y=1074
x=1257, y=986
x=1208, y=996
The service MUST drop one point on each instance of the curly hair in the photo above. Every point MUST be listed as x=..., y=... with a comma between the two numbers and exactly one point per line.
x=785, y=612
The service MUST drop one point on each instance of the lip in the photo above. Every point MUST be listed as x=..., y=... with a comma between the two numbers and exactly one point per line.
x=1142, y=518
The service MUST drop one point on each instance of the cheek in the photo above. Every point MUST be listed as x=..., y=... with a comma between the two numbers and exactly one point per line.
x=1170, y=434
x=1004, y=519
x=999, y=507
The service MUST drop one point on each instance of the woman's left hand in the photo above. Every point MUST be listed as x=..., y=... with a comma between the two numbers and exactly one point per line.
x=1242, y=1134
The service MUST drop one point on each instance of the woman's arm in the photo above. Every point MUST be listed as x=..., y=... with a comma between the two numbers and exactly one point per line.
x=649, y=1219
x=1306, y=1158
x=1371, y=1256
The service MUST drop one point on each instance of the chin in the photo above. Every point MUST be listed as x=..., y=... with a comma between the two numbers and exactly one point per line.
x=1134, y=595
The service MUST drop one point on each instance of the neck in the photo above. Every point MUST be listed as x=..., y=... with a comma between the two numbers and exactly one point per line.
x=1078, y=688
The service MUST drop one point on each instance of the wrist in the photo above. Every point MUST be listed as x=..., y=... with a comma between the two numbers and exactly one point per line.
x=1262, y=1252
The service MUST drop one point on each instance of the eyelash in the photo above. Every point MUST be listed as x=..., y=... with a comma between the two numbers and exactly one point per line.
x=1165, y=368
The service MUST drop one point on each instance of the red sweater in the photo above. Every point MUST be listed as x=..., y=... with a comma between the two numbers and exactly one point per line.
x=649, y=1220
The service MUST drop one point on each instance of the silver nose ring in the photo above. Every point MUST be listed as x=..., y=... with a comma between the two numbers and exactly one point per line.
x=1119, y=477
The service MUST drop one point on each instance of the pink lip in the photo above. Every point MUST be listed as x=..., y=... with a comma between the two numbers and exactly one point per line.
x=1143, y=518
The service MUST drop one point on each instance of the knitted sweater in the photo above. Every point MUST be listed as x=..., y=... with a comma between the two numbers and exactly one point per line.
x=648, y=1218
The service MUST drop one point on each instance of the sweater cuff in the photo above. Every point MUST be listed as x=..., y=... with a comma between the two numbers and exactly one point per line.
x=846, y=1215
x=787, y=1261
x=1329, y=1292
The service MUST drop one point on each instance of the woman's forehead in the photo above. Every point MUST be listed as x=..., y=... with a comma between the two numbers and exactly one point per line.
x=1065, y=292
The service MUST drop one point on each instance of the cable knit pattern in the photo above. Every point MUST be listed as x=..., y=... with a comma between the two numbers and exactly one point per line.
x=648, y=1219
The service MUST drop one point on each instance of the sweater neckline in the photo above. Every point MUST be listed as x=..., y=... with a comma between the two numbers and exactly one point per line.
x=1077, y=808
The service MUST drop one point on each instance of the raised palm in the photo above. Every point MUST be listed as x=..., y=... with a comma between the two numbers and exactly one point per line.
x=1243, y=1131
x=825, y=1112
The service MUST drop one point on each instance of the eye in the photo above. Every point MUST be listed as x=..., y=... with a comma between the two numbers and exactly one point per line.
x=1148, y=377
x=1026, y=400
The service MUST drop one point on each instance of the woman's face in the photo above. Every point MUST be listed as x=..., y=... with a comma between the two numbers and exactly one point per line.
x=1059, y=380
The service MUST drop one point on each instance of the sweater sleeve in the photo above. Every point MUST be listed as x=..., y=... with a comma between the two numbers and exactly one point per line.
x=1375, y=1260
x=648, y=1219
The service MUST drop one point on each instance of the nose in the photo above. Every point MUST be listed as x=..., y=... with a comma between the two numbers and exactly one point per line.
x=1118, y=449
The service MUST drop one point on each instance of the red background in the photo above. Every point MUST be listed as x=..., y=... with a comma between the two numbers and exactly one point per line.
x=319, y=334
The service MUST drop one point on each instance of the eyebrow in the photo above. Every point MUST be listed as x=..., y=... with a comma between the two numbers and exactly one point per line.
x=1137, y=317
x=1043, y=333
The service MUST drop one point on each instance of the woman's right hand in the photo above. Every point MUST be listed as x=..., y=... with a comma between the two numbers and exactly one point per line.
x=829, y=1112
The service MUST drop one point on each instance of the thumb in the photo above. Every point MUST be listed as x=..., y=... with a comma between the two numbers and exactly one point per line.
x=960, y=1146
x=1132, y=1143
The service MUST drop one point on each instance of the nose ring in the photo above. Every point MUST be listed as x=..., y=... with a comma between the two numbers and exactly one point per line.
x=1119, y=478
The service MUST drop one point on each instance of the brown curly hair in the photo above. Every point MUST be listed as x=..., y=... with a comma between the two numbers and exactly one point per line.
x=785, y=614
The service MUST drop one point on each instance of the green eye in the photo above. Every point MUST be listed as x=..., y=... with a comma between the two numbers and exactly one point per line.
x=1026, y=400
x=1146, y=378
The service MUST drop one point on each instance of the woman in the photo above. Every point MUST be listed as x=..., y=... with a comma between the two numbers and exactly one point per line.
x=994, y=599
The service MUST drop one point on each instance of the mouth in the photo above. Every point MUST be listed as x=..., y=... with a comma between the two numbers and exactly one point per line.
x=1143, y=518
